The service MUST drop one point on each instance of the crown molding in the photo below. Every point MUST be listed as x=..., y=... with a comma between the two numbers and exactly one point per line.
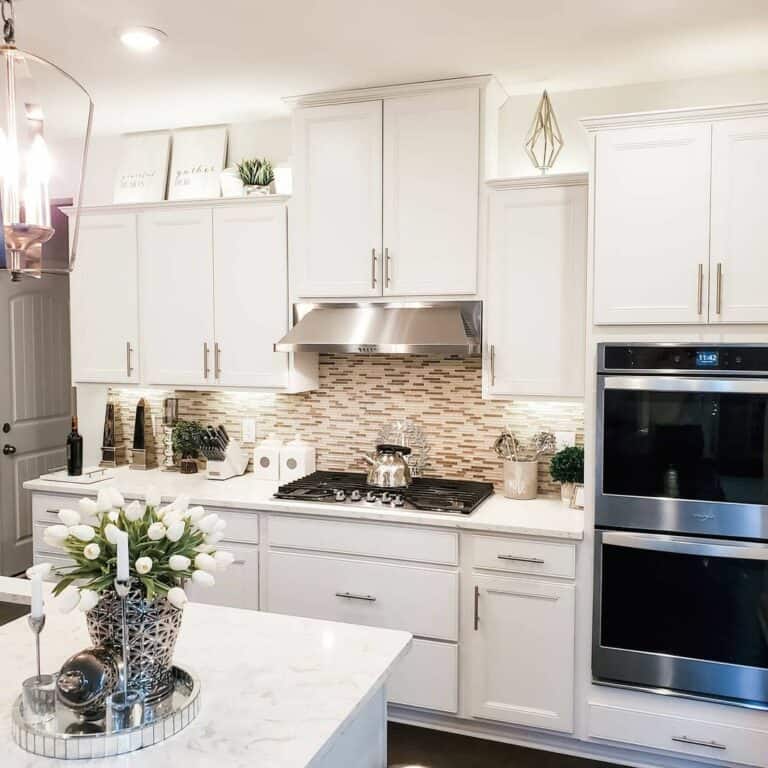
x=216, y=202
x=385, y=91
x=535, y=182
x=675, y=116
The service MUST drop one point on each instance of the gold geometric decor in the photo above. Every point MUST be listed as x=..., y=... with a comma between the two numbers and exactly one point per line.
x=544, y=140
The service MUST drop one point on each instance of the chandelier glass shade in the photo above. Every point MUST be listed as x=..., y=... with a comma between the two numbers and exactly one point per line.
x=37, y=99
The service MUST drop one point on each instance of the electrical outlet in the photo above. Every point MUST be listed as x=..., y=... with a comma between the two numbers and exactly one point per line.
x=565, y=439
x=249, y=430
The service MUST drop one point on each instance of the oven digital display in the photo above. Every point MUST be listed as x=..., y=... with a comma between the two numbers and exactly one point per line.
x=707, y=359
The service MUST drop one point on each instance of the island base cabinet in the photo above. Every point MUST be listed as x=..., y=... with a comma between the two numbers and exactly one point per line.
x=522, y=652
x=427, y=677
x=238, y=586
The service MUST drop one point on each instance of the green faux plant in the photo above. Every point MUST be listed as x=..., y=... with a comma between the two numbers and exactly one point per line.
x=187, y=439
x=567, y=465
x=257, y=172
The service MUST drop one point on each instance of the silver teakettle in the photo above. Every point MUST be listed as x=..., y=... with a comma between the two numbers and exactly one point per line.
x=388, y=467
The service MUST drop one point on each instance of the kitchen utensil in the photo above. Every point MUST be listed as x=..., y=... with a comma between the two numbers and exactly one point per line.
x=388, y=466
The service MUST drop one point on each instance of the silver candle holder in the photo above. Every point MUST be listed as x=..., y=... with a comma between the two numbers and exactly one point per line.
x=38, y=692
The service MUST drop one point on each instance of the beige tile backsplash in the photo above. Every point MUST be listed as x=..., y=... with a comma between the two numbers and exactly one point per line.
x=358, y=394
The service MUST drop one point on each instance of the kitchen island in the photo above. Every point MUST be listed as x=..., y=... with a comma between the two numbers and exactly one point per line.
x=277, y=691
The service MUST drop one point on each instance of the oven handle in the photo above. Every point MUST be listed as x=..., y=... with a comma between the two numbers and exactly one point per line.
x=740, y=550
x=683, y=384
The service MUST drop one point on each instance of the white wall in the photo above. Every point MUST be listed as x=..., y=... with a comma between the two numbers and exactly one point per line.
x=570, y=107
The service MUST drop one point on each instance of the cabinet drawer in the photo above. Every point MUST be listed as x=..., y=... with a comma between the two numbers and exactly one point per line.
x=371, y=539
x=518, y=556
x=45, y=508
x=704, y=740
x=58, y=561
x=237, y=587
x=419, y=600
x=241, y=526
x=428, y=677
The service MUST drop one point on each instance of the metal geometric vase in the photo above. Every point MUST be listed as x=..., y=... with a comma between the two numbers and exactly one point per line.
x=153, y=628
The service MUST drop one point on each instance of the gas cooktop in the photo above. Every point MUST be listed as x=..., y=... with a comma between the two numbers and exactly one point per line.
x=426, y=494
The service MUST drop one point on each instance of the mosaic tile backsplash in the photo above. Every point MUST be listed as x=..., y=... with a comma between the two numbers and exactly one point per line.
x=359, y=394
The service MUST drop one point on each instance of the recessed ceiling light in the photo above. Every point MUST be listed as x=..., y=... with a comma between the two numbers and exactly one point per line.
x=142, y=38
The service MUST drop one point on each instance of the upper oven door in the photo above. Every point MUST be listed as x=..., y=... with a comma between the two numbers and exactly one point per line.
x=687, y=454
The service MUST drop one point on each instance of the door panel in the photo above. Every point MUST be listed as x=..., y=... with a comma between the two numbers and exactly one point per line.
x=176, y=264
x=34, y=402
x=336, y=206
x=251, y=295
x=651, y=234
x=105, y=301
x=739, y=223
x=431, y=178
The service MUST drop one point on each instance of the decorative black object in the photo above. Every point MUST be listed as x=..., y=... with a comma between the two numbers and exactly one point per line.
x=74, y=451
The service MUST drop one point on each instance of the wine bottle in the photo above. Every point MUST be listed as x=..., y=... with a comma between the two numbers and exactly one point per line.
x=74, y=450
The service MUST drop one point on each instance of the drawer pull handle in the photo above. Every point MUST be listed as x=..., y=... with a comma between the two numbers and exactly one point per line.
x=238, y=562
x=477, y=607
x=352, y=596
x=698, y=743
x=517, y=559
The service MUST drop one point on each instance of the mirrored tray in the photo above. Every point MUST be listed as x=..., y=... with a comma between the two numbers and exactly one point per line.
x=67, y=737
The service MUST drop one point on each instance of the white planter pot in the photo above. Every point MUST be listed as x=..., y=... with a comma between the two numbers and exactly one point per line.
x=566, y=492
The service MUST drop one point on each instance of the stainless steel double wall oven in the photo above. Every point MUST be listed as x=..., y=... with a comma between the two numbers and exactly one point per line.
x=681, y=515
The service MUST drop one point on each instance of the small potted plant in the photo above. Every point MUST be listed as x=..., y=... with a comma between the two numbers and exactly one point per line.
x=187, y=439
x=567, y=468
x=257, y=176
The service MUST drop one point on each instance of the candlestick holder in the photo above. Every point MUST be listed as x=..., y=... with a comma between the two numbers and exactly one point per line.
x=125, y=708
x=38, y=692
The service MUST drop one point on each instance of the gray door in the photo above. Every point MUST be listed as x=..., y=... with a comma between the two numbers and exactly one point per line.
x=34, y=402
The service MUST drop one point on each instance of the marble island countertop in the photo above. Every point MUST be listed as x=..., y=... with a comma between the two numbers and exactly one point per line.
x=540, y=517
x=277, y=691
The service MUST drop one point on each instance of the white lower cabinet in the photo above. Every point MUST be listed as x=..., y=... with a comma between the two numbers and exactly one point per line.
x=238, y=586
x=427, y=677
x=522, y=652
x=692, y=738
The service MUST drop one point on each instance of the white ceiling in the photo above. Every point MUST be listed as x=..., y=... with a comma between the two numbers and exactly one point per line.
x=233, y=60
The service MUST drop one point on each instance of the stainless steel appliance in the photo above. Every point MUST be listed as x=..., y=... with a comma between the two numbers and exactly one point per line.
x=425, y=494
x=388, y=466
x=681, y=512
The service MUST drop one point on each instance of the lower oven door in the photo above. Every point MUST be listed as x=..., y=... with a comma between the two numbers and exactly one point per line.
x=681, y=614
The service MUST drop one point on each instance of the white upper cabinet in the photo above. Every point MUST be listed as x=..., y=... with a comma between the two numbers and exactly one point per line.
x=250, y=289
x=651, y=225
x=176, y=263
x=336, y=207
x=104, y=301
x=431, y=177
x=739, y=256
x=536, y=308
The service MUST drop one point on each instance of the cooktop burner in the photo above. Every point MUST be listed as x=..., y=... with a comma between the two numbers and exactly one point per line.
x=426, y=494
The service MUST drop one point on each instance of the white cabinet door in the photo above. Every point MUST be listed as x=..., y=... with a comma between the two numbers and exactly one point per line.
x=522, y=651
x=250, y=264
x=739, y=258
x=336, y=205
x=431, y=177
x=176, y=260
x=651, y=235
x=537, y=291
x=238, y=586
x=104, y=297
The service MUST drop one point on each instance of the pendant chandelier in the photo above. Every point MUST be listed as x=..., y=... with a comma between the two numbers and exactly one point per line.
x=32, y=92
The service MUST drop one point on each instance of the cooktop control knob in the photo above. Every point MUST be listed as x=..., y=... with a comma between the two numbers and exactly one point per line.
x=340, y=495
x=398, y=501
x=370, y=497
x=355, y=495
x=385, y=497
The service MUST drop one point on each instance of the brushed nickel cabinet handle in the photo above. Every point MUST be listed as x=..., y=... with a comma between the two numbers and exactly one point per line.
x=217, y=360
x=719, y=299
x=516, y=559
x=206, y=369
x=387, y=263
x=477, y=607
x=698, y=743
x=493, y=364
x=238, y=562
x=373, y=267
x=700, y=288
x=128, y=366
x=353, y=596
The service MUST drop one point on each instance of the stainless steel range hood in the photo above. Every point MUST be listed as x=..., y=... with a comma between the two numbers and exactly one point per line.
x=378, y=327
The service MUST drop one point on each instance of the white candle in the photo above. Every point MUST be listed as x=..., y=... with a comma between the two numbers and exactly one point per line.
x=122, y=556
x=37, y=597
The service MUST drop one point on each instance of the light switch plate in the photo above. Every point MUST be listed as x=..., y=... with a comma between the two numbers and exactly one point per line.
x=565, y=439
x=249, y=430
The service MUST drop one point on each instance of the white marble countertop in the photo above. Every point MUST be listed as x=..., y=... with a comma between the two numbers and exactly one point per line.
x=275, y=689
x=545, y=517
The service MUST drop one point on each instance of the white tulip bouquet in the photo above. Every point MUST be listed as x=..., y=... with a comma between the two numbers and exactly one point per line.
x=167, y=547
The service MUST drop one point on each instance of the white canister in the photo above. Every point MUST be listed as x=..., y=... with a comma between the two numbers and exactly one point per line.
x=297, y=459
x=266, y=458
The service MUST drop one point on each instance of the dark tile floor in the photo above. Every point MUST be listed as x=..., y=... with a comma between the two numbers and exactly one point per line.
x=411, y=747
x=11, y=611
